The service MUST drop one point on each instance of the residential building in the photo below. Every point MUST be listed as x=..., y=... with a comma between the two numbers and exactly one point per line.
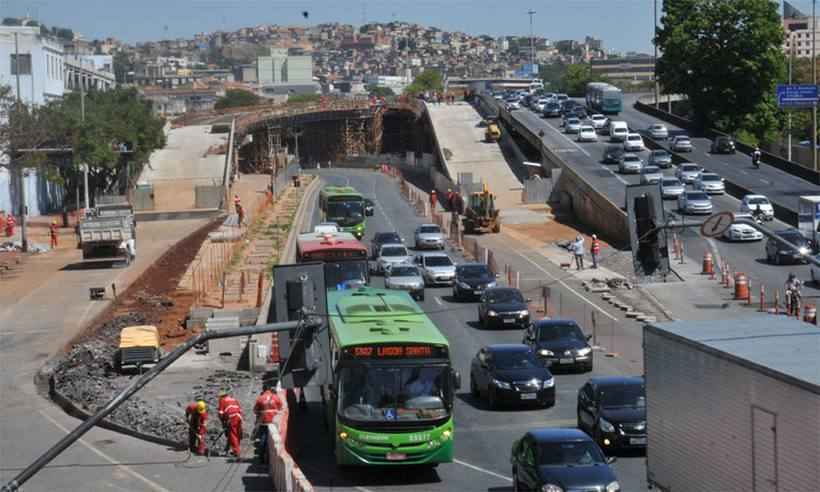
x=798, y=32
x=40, y=60
x=630, y=70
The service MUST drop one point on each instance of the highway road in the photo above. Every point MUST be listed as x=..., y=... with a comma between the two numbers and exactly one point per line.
x=744, y=257
x=483, y=437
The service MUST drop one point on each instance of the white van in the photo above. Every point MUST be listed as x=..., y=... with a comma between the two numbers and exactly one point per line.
x=618, y=130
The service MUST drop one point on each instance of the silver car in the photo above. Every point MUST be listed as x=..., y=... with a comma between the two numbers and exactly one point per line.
x=658, y=131
x=651, y=175
x=710, y=183
x=688, y=173
x=681, y=143
x=391, y=254
x=405, y=277
x=429, y=236
x=630, y=163
x=436, y=268
x=572, y=125
x=660, y=158
x=672, y=188
x=695, y=202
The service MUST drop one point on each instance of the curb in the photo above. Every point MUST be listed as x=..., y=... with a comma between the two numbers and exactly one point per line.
x=656, y=303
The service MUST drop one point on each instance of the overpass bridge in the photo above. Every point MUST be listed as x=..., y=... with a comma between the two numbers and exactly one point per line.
x=488, y=83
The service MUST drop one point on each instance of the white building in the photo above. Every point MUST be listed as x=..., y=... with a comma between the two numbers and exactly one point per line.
x=393, y=82
x=41, y=64
x=281, y=68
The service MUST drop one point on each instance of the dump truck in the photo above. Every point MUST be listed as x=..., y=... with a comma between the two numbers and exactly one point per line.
x=139, y=346
x=493, y=131
x=480, y=214
x=108, y=231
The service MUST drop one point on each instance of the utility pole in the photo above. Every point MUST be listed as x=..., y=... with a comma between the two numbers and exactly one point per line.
x=23, y=208
x=814, y=81
x=82, y=118
x=789, y=112
x=532, y=40
x=655, y=61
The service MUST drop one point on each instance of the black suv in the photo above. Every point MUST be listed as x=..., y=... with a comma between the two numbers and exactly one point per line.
x=613, y=411
x=511, y=373
x=472, y=279
x=382, y=238
x=780, y=254
x=723, y=145
x=613, y=154
x=503, y=306
x=560, y=342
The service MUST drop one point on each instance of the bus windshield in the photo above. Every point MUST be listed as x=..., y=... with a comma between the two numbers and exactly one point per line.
x=345, y=274
x=345, y=213
x=385, y=394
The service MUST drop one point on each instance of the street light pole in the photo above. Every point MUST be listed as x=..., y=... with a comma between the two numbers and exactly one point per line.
x=532, y=40
x=789, y=113
x=23, y=211
x=82, y=118
x=814, y=81
x=655, y=61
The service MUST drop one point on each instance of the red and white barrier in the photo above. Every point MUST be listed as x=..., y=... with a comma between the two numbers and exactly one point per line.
x=284, y=472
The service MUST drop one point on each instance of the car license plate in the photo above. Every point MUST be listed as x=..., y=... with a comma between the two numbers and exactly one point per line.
x=396, y=456
x=528, y=396
x=637, y=440
x=477, y=292
x=509, y=320
x=566, y=361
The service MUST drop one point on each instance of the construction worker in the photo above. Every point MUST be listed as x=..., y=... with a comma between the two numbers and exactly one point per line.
x=595, y=250
x=577, y=247
x=10, y=223
x=266, y=407
x=52, y=233
x=196, y=414
x=433, y=200
x=230, y=413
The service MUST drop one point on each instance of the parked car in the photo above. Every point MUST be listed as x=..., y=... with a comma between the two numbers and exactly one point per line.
x=681, y=143
x=658, y=131
x=405, y=277
x=572, y=125
x=587, y=134
x=598, y=121
x=633, y=143
x=688, y=172
x=554, y=459
x=779, y=254
x=742, y=232
x=503, y=306
x=695, y=202
x=429, y=236
x=613, y=154
x=751, y=203
x=552, y=110
x=630, y=163
x=391, y=254
x=381, y=238
x=472, y=279
x=651, y=175
x=672, y=188
x=369, y=208
x=660, y=158
x=723, y=145
x=618, y=130
x=511, y=373
x=612, y=410
x=710, y=183
x=436, y=268
x=561, y=343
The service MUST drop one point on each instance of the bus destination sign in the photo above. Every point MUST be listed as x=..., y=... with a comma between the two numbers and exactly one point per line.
x=397, y=352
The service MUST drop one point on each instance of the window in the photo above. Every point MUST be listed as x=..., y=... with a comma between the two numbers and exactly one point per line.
x=23, y=64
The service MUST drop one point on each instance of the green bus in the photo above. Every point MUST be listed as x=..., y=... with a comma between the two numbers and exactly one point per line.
x=344, y=206
x=391, y=400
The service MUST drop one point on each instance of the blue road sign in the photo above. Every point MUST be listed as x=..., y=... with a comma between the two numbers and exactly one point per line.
x=796, y=95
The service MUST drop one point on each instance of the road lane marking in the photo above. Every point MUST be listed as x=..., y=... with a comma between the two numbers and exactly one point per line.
x=482, y=470
x=536, y=265
x=153, y=485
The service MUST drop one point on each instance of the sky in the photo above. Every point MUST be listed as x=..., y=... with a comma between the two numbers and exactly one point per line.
x=624, y=25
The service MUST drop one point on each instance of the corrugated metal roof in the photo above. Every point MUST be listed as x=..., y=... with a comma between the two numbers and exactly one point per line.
x=782, y=347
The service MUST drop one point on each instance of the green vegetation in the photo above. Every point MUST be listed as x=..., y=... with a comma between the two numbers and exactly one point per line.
x=428, y=80
x=235, y=98
x=375, y=90
x=570, y=79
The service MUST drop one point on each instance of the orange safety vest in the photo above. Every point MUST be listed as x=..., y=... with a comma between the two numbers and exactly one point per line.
x=229, y=408
x=266, y=407
x=596, y=246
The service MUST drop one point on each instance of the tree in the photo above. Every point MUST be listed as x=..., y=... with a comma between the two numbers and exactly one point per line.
x=428, y=80
x=235, y=98
x=123, y=65
x=378, y=91
x=725, y=56
x=576, y=78
x=552, y=74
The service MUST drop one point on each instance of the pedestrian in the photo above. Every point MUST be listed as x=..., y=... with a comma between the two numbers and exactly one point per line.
x=2, y=219
x=450, y=195
x=240, y=212
x=578, y=252
x=433, y=200
x=10, y=223
x=52, y=233
x=196, y=414
x=595, y=250
x=267, y=405
x=230, y=414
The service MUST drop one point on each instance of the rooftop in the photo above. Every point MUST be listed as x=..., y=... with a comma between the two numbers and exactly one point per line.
x=784, y=348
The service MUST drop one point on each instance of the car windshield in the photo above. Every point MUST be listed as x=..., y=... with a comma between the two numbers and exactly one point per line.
x=624, y=395
x=573, y=121
x=381, y=394
x=345, y=213
x=404, y=271
x=758, y=201
x=598, y=117
x=660, y=153
x=502, y=296
x=386, y=238
x=689, y=169
x=572, y=453
x=683, y=139
x=473, y=271
x=634, y=137
x=559, y=332
x=394, y=251
x=429, y=230
x=697, y=196
x=658, y=127
x=587, y=129
x=631, y=158
x=438, y=261
x=709, y=177
x=793, y=237
x=515, y=359
x=650, y=170
x=671, y=182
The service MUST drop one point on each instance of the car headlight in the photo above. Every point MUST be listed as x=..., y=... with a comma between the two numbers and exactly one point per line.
x=501, y=384
x=803, y=251
x=549, y=383
x=613, y=487
x=584, y=351
x=550, y=487
x=546, y=353
x=464, y=285
x=491, y=313
x=606, y=426
x=491, y=285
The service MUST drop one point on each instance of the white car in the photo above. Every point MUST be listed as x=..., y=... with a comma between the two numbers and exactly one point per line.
x=572, y=125
x=752, y=203
x=688, y=172
x=681, y=143
x=539, y=105
x=513, y=105
x=658, y=131
x=710, y=183
x=390, y=255
x=742, y=232
x=633, y=142
x=587, y=134
x=598, y=121
x=630, y=163
x=436, y=268
x=672, y=188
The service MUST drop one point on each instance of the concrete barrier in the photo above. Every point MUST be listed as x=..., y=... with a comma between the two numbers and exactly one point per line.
x=284, y=472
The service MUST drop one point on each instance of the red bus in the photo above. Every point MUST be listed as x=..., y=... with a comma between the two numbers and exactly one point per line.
x=344, y=256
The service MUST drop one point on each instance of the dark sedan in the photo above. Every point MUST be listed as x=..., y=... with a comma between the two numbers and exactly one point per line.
x=552, y=110
x=511, y=373
x=560, y=342
x=472, y=279
x=503, y=306
x=613, y=411
x=613, y=154
x=723, y=145
x=382, y=238
x=779, y=254
x=553, y=459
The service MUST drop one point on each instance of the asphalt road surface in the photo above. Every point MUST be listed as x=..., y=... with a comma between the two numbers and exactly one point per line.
x=483, y=437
